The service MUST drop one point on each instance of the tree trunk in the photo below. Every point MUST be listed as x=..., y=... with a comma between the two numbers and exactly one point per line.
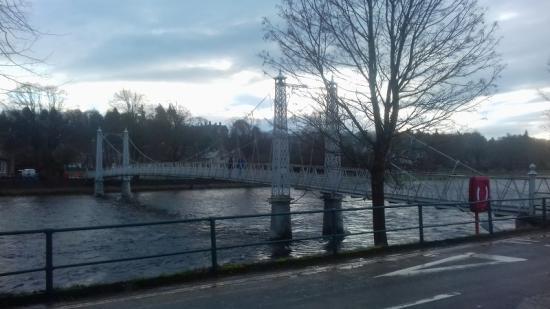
x=377, y=187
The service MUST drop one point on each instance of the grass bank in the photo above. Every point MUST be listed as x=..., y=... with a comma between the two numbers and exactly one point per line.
x=16, y=188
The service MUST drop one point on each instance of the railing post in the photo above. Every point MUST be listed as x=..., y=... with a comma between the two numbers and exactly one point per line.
x=213, y=250
x=490, y=217
x=544, y=212
x=49, y=262
x=420, y=224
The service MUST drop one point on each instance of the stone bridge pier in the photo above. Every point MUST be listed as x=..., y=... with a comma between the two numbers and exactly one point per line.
x=333, y=222
x=281, y=227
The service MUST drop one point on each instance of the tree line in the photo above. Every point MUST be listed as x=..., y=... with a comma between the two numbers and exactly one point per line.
x=509, y=154
x=36, y=133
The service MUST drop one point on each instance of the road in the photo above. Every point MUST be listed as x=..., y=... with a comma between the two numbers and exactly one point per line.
x=506, y=273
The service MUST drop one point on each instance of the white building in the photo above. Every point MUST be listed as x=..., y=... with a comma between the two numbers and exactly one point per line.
x=4, y=165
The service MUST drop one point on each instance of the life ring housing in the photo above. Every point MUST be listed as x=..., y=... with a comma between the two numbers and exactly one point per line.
x=479, y=193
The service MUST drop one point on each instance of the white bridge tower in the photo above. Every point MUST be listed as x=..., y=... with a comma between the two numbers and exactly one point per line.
x=126, y=189
x=98, y=180
x=332, y=218
x=280, y=185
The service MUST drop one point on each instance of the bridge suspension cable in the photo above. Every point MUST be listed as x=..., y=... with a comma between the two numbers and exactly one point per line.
x=455, y=161
x=141, y=152
x=249, y=117
x=111, y=145
x=251, y=113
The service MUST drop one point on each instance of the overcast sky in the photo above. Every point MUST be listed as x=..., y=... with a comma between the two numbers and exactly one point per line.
x=204, y=55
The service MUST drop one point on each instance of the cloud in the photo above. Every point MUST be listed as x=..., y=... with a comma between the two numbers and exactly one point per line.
x=205, y=52
x=531, y=122
x=249, y=100
x=125, y=39
x=156, y=55
x=511, y=112
x=525, y=46
x=132, y=40
x=507, y=16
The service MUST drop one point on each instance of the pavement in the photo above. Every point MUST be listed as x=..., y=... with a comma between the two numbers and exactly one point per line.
x=512, y=272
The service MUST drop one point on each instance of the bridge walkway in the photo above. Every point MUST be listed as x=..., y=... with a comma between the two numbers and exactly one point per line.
x=426, y=188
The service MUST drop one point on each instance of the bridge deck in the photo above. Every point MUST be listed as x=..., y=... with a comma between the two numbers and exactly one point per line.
x=350, y=181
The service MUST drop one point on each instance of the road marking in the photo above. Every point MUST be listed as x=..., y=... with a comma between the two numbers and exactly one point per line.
x=425, y=300
x=529, y=240
x=427, y=267
x=519, y=241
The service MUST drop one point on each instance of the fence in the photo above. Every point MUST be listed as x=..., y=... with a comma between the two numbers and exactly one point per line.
x=49, y=266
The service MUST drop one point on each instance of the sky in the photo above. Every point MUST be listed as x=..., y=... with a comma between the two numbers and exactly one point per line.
x=203, y=55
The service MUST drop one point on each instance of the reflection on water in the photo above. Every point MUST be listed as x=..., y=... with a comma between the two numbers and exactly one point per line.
x=38, y=212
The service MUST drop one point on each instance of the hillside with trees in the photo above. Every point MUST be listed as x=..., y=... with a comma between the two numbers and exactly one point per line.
x=49, y=139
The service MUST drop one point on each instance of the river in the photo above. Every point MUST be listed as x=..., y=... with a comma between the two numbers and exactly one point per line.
x=38, y=212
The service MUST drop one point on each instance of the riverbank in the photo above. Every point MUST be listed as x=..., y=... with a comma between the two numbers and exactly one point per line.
x=86, y=187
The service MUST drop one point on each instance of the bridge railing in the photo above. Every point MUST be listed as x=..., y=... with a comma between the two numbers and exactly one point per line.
x=350, y=180
x=213, y=247
x=440, y=187
x=401, y=186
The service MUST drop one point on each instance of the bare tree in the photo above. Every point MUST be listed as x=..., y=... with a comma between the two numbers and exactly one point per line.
x=36, y=98
x=401, y=65
x=129, y=102
x=54, y=97
x=16, y=40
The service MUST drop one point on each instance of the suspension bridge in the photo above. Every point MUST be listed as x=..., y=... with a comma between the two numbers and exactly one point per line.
x=332, y=180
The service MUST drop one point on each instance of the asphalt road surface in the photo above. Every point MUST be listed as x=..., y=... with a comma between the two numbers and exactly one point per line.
x=506, y=273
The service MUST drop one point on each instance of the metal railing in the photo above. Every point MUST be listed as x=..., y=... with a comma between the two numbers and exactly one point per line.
x=213, y=248
x=402, y=186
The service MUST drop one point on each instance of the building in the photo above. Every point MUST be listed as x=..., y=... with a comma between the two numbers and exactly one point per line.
x=4, y=164
x=3, y=167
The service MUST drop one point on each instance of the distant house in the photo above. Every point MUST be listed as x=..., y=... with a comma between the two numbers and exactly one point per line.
x=74, y=171
x=4, y=165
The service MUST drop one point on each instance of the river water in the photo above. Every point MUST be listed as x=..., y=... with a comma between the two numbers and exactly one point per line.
x=38, y=212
